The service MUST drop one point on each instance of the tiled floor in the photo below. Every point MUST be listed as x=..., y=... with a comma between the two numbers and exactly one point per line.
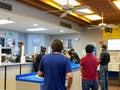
x=113, y=84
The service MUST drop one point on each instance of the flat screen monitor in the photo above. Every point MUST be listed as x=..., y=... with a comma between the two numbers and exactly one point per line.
x=6, y=50
x=114, y=44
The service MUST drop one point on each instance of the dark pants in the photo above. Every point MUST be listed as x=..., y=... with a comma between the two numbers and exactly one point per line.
x=87, y=84
x=103, y=73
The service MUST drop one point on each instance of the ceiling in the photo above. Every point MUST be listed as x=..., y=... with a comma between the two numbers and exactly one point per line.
x=21, y=26
x=111, y=12
x=111, y=15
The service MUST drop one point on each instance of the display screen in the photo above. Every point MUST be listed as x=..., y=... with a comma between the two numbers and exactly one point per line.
x=114, y=44
x=6, y=51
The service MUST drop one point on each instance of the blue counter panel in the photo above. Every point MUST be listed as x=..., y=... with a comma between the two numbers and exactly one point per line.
x=112, y=74
x=32, y=77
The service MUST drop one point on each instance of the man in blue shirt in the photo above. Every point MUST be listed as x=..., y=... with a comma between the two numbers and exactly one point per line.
x=55, y=68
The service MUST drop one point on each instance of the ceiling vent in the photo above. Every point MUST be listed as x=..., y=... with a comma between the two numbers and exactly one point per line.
x=5, y=6
x=65, y=25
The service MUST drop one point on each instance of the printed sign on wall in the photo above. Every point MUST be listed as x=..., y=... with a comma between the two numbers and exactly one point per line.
x=10, y=43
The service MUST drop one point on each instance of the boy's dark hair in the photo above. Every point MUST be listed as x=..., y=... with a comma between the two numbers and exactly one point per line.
x=43, y=49
x=89, y=48
x=57, y=45
x=104, y=46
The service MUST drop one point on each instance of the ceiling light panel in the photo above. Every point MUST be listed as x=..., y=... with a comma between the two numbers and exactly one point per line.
x=117, y=3
x=37, y=29
x=64, y=2
x=87, y=11
x=5, y=21
x=93, y=17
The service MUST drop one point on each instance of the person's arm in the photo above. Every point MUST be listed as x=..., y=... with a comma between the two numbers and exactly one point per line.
x=81, y=68
x=40, y=74
x=34, y=57
x=41, y=69
x=69, y=80
x=101, y=57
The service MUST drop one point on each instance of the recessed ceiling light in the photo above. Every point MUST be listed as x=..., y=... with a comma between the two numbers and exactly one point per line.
x=61, y=30
x=117, y=3
x=5, y=21
x=37, y=29
x=35, y=24
x=64, y=2
x=93, y=17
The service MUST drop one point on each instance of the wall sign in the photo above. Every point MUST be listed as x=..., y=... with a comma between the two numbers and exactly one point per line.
x=111, y=33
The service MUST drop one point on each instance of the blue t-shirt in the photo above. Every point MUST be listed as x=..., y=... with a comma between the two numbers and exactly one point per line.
x=55, y=66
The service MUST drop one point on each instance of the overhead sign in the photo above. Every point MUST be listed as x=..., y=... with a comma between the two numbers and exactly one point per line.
x=111, y=33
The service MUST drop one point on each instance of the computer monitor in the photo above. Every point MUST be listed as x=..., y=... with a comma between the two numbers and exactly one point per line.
x=6, y=50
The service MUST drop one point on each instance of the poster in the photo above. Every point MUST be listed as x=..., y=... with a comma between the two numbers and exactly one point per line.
x=10, y=43
x=2, y=41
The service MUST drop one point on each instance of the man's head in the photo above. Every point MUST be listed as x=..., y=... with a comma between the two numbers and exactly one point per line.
x=57, y=45
x=104, y=47
x=89, y=48
x=72, y=50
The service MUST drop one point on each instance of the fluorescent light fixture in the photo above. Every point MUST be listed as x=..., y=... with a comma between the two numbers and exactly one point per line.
x=117, y=3
x=37, y=29
x=87, y=11
x=61, y=30
x=5, y=21
x=64, y=2
x=93, y=17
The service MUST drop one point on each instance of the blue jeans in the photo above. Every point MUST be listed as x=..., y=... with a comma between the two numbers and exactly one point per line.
x=103, y=73
x=87, y=84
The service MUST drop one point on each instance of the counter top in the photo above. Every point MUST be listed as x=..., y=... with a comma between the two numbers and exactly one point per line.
x=32, y=77
x=13, y=64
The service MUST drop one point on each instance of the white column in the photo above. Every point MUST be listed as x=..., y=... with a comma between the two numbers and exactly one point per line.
x=22, y=51
x=35, y=50
x=22, y=55
x=49, y=50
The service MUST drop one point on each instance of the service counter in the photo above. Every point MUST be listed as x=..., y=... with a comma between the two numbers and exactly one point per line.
x=30, y=81
x=8, y=72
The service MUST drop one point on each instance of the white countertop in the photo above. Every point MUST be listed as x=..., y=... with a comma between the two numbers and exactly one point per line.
x=13, y=64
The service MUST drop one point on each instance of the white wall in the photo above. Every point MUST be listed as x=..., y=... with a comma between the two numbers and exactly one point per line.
x=86, y=36
x=30, y=40
x=38, y=40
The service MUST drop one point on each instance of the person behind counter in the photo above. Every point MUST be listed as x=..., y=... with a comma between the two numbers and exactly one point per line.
x=7, y=59
x=74, y=56
x=65, y=52
x=55, y=68
x=88, y=67
x=38, y=57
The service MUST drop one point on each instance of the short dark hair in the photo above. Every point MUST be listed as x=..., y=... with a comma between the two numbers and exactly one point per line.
x=43, y=49
x=89, y=48
x=104, y=46
x=72, y=49
x=57, y=45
